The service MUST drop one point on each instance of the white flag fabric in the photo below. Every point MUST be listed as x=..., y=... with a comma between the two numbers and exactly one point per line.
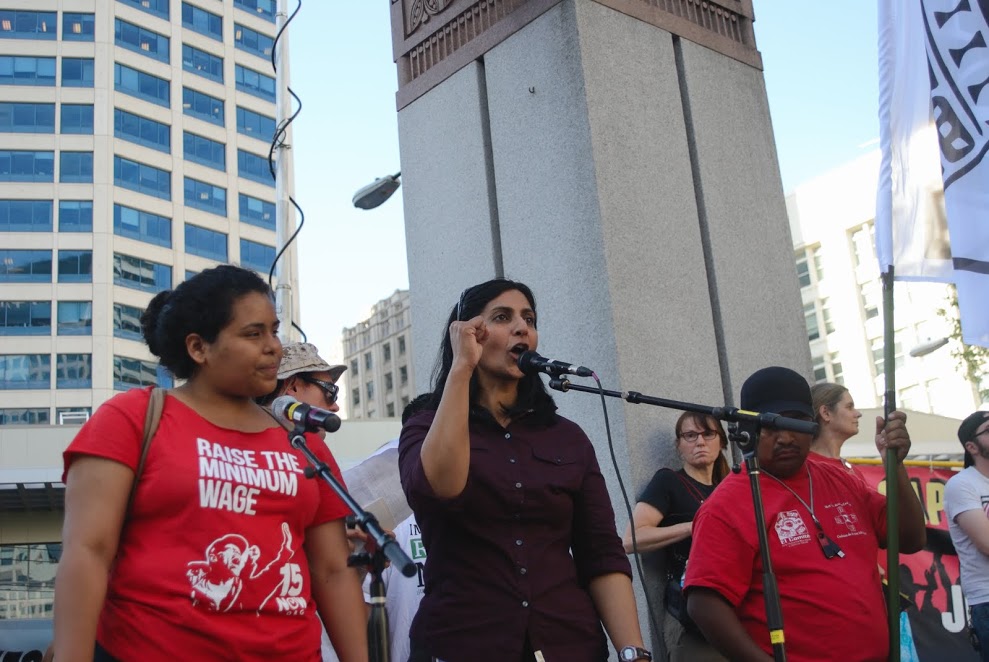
x=934, y=134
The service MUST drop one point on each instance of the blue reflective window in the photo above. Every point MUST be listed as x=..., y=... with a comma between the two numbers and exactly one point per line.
x=75, y=266
x=155, y=7
x=26, y=215
x=202, y=21
x=253, y=41
x=78, y=72
x=200, y=62
x=78, y=27
x=205, y=196
x=27, y=117
x=254, y=83
x=204, y=151
x=142, y=178
x=256, y=256
x=23, y=24
x=141, y=85
x=142, y=225
x=75, y=318
x=75, y=215
x=203, y=106
x=134, y=373
x=25, y=318
x=22, y=416
x=254, y=167
x=138, y=274
x=75, y=167
x=142, y=130
x=77, y=118
x=25, y=266
x=27, y=70
x=189, y=274
x=25, y=371
x=127, y=322
x=140, y=40
x=257, y=212
x=263, y=8
x=26, y=166
x=74, y=371
x=205, y=243
x=254, y=124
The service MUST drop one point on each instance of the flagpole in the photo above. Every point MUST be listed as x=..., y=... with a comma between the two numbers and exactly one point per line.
x=892, y=470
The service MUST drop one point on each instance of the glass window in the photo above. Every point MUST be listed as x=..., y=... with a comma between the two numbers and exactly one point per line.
x=156, y=7
x=75, y=266
x=132, y=373
x=78, y=71
x=202, y=63
x=254, y=83
x=75, y=318
x=369, y=387
x=401, y=345
x=72, y=415
x=138, y=274
x=26, y=215
x=389, y=382
x=142, y=226
x=353, y=367
x=75, y=167
x=75, y=216
x=255, y=125
x=127, y=322
x=355, y=396
x=140, y=40
x=189, y=274
x=826, y=314
x=253, y=41
x=27, y=117
x=27, y=166
x=810, y=319
x=367, y=361
x=25, y=266
x=254, y=167
x=205, y=196
x=25, y=318
x=27, y=70
x=142, y=130
x=202, y=21
x=803, y=271
x=205, y=243
x=256, y=256
x=390, y=410
x=24, y=417
x=77, y=118
x=263, y=8
x=25, y=371
x=257, y=212
x=204, y=151
x=142, y=178
x=820, y=366
x=141, y=85
x=403, y=375
x=386, y=350
x=837, y=374
x=872, y=299
x=23, y=24
x=74, y=371
x=78, y=27
x=202, y=106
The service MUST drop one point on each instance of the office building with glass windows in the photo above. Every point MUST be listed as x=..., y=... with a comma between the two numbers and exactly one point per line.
x=134, y=141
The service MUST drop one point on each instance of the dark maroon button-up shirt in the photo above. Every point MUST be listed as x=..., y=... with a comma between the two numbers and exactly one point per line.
x=512, y=556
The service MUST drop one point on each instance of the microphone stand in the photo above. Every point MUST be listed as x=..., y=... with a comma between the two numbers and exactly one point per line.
x=385, y=548
x=746, y=442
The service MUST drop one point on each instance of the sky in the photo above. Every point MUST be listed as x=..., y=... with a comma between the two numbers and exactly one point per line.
x=820, y=67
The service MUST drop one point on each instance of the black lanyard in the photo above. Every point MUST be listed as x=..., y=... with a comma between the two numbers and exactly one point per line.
x=828, y=546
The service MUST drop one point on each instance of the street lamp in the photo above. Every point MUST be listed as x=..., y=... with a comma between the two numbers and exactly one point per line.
x=377, y=191
x=925, y=348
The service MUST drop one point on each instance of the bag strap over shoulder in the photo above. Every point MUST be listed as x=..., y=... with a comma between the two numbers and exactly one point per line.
x=151, y=420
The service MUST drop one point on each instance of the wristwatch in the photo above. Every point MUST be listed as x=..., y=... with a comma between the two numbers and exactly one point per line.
x=633, y=653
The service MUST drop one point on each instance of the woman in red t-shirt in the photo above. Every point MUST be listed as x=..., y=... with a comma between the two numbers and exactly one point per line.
x=226, y=551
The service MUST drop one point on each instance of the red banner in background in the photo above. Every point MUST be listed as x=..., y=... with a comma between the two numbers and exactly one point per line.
x=929, y=579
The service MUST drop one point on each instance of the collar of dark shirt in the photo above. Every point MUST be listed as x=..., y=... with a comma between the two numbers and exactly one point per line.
x=539, y=417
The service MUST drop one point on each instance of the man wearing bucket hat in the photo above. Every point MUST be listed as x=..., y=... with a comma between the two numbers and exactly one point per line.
x=824, y=529
x=966, y=497
x=304, y=375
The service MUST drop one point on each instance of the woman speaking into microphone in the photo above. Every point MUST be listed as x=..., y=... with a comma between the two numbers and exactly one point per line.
x=524, y=561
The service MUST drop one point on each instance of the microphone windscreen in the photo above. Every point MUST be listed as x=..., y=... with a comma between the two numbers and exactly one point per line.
x=280, y=408
x=529, y=362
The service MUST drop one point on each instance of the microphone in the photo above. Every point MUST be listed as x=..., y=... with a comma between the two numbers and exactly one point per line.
x=289, y=410
x=531, y=363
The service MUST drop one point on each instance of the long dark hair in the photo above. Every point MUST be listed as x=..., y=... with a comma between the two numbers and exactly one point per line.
x=706, y=422
x=532, y=393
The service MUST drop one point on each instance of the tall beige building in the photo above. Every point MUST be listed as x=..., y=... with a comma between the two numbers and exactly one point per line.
x=378, y=353
x=832, y=223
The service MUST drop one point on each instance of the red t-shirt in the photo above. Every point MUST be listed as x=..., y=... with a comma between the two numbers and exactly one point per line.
x=211, y=562
x=838, y=463
x=833, y=609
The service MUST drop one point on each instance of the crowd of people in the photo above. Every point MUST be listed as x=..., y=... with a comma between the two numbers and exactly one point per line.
x=207, y=542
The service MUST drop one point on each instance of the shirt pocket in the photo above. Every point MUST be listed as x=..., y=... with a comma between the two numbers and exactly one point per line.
x=558, y=469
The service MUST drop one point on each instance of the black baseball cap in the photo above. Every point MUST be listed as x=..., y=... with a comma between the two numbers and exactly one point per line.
x=966, y=431
x=777, y=390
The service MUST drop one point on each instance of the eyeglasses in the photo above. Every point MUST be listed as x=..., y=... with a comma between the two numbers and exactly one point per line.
x=329, y=389
x=692, y=436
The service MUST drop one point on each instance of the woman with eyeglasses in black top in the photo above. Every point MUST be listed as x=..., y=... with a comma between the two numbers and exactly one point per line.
x=663, y=519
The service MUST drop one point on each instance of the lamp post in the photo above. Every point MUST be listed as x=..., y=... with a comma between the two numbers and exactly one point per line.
x=377, y=192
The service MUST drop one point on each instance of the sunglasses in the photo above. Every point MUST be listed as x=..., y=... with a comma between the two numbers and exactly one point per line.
x=329, y=389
